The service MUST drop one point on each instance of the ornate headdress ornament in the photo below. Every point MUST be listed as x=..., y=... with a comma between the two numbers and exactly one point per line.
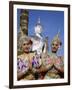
x=57, y=39
x=24, y=39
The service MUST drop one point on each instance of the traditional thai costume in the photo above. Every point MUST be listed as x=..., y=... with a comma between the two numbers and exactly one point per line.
x=54, y=63
x=23, y=63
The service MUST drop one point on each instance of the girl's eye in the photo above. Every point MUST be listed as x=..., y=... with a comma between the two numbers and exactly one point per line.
x=28, y=44
x=56, y=44
x=53, y=44
x=24, y=44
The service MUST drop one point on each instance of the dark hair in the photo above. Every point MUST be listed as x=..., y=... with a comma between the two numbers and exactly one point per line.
x=30, y=42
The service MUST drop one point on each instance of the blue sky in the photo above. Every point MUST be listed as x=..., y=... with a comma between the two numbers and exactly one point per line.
x=52, y=22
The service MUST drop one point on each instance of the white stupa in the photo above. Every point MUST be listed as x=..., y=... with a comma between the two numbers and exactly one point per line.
x=38, y=42
x=38, y=28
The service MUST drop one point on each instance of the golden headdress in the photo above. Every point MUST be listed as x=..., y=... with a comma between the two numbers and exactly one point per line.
x=57, y=39
x=24, y=39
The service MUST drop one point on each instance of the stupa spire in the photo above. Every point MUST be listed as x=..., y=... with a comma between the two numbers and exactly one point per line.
x=39, y=20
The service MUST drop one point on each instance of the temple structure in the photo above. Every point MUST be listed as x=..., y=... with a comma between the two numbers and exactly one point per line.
x=24, y=21
x=23, y=27
x=40, y=44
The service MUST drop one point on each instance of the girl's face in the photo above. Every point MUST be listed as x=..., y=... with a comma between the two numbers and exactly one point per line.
x=26, y=47
x=54, y=46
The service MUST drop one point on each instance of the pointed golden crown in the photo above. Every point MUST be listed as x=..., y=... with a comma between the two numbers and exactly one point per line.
x=57, y=39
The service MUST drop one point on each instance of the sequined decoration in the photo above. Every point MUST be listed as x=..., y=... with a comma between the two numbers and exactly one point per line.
x=22, y=65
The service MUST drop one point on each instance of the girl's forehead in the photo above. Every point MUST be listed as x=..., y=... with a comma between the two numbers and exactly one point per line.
x=55, y=42
x=26, y=42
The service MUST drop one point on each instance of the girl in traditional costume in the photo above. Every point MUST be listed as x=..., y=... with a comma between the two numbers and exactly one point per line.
x=24, y=61
x=54, y=63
